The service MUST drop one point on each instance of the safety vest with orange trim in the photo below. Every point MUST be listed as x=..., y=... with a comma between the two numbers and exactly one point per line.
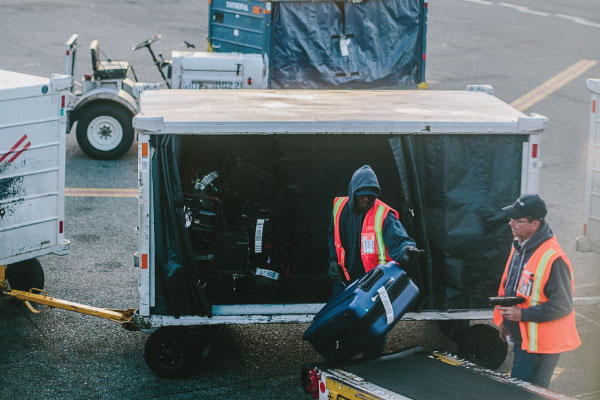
x=541, y=337
x=372, y=248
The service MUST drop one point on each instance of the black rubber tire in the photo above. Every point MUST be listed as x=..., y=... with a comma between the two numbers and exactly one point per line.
x=120, y=115
x=170, y=352
x=481, y=345
x=453, y=328
x=25, y=275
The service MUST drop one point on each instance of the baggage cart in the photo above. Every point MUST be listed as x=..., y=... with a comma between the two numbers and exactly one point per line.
x=446, y=160
x=32, y=174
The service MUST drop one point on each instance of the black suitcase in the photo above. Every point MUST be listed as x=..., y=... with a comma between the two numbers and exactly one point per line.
x=364, y=311
x=227, y=253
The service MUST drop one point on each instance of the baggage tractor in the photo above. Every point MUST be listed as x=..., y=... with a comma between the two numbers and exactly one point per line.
x=364, y=311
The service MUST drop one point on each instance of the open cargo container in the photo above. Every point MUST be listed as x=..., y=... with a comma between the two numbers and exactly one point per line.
x=32, y=174
x=370, y=44
x=446, y=160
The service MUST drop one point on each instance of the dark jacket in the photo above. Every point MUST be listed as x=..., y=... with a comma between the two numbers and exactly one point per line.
x=395, y=237
x=557, y=289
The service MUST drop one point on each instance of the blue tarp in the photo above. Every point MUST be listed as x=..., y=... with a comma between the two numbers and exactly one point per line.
x=375, y=44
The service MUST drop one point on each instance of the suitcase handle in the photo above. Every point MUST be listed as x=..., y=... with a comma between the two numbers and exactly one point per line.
x=369, y=280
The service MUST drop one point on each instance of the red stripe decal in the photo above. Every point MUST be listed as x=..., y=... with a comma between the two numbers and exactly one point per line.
x=13, y=148
x=19, y=153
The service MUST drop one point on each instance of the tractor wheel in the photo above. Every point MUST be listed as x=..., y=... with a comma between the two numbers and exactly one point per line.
x=104, y=131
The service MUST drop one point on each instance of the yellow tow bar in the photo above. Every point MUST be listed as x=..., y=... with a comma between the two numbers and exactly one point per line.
x=123, y=317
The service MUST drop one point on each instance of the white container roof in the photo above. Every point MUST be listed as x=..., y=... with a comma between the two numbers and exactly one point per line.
x=329, y=112
x=16, y=85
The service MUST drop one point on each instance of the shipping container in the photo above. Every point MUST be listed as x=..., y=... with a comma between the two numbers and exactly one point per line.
x=590, y=240
x=32, y=171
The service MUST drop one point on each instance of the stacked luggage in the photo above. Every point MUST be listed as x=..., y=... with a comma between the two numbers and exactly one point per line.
x=235, y=217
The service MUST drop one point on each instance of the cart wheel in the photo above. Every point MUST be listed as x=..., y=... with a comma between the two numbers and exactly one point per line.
x=25, y=275
x=453, y=328
x=170, y=352
x=481, y=345
x=104, y=131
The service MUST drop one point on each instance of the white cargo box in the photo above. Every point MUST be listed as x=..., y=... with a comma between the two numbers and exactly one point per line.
x=203, y=70
x=336, y=119
x=32, y=166
x=590, y=241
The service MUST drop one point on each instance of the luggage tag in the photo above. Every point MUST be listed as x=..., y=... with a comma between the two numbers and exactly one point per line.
x=368, y=243
x=206, y=181
x=525, y=284
x=258, y=235
x=387, y=305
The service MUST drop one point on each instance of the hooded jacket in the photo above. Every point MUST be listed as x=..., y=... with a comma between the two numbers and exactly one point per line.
x=351, y=221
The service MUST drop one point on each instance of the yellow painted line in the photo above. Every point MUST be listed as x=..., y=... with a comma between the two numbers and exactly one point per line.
x=557, y=371
x=552, y=85
x=100, y=192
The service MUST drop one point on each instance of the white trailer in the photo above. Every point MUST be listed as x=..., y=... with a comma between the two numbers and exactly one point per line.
x=32, y=174
x=590, y=240
x=299, y=118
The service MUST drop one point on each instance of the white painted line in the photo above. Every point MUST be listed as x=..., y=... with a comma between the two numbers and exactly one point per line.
x=584, y=285
x=557, y=371
x=484, y=2
x=591, y=321
x=578, y=20
x=527, y=10
x=524, y=9
x=586, y=301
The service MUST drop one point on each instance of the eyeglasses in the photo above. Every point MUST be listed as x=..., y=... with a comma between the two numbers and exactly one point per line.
x=519, y=221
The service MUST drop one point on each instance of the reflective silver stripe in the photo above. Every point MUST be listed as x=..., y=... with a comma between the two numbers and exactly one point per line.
x=532, y=327
x=336, y=207
x=378, y=234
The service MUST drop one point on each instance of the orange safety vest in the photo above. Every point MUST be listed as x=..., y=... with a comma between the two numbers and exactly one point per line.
x=372, y=248
x=541, y=337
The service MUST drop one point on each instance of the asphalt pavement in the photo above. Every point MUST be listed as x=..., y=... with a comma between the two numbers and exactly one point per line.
x=515, y=47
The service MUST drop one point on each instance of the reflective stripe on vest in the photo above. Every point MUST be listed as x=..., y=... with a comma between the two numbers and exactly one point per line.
x=532, y=327
x=379, y=234
x=338, y=206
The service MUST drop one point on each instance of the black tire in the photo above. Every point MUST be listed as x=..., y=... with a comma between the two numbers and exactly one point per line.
x=170, y=352
x=453, y=328
x=25, y=275
x=481, y=345
x=104, y=130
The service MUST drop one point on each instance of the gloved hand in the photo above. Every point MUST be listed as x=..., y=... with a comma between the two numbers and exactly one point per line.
x=334, y=272
x=411, y=254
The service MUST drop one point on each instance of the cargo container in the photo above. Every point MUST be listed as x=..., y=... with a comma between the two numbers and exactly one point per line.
x=32, y=173
x=590, y=240
x=370, y=44
x=219, y=170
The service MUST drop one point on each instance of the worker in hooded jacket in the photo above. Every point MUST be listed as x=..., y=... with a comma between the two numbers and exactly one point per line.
x=364, y=233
